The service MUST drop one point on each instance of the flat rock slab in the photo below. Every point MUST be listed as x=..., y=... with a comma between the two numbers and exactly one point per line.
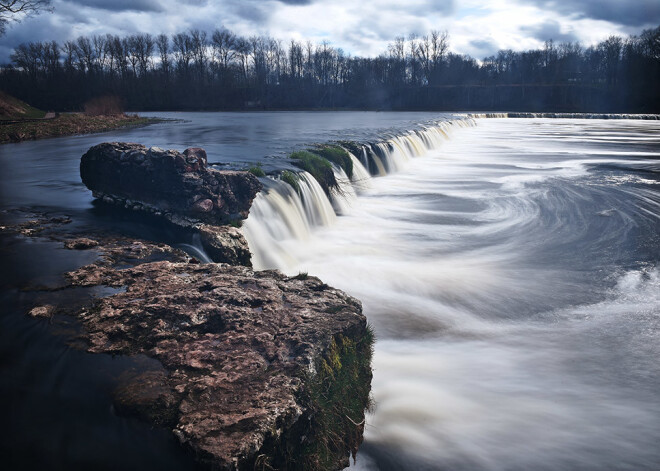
x=240, y=349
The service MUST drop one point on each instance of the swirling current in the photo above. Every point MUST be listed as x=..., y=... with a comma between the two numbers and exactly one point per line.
x=511, y=274
x=508, y=266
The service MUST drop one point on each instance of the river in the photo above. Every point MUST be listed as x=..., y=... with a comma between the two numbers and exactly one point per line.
x=508, y=266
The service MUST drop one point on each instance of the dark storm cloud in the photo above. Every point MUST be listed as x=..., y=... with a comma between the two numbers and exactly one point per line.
x=483, y=47
x=446, y=7
x=121, y=5
x=296, y=2
x=38, y=29
x=547, y=31
x=255, y=12
x=624, y=12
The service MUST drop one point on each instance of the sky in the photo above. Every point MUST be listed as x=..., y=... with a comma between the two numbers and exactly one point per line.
x=360, y=27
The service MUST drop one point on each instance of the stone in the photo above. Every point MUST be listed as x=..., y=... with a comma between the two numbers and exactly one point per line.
x=249, y=370
x=225, y=244
x=167, y=182
x=42, y=311
x=260, y=370
x=203, y=206
x=81, y=243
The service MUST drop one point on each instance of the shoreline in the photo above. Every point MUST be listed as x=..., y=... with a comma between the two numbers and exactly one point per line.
x=67, y=125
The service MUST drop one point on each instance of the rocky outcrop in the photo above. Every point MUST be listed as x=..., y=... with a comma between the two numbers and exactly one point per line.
x=82, y=243
x=260, y=369
x=254, y=370
x=177, y=186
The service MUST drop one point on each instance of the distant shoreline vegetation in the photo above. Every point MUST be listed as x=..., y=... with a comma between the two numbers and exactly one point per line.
x=21, y=122
x=222, y=71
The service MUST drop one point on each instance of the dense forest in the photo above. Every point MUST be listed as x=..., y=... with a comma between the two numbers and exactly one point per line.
x=197, y=70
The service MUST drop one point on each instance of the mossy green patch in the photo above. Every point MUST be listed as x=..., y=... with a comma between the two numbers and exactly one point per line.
x=339, y=395
x=319, y=167
x=352, y=147
x=338, y=156
x=257, y=171
x=13, y=108
x=292, y=179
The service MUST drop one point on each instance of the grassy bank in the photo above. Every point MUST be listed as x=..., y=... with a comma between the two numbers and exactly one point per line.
x=65, y=125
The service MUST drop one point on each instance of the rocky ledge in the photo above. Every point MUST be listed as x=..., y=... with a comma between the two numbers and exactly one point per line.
x=259, y=370
x=178, y=187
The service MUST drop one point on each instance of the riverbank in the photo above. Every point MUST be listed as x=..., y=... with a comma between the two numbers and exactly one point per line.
x=66, y=125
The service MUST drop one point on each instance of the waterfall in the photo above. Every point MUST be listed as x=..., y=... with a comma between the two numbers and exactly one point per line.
x=345, y=194
x=281, y=215
x=195, y=249
x=361, y=180
x=566, y=115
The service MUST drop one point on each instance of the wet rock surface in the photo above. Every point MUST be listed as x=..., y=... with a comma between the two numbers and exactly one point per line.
x=225, y=244
x=238, y=348
x=177, y=186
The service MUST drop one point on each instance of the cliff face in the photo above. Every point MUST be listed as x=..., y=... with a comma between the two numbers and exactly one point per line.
x=178, y=186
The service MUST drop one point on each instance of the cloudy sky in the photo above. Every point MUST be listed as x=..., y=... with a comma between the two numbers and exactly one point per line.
x=476, y=27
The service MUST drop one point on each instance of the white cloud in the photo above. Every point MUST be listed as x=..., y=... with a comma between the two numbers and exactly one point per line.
x=476, y=27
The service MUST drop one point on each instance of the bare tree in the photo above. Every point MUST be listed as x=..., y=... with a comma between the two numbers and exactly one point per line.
x=143, y=46
x=296, y=59
x=86, y=54
x=16, y=10
x=182, y=48
x=163, y=44
x=223, y=42
x=100, y=51
x=242, y=48
x=651, y=42
x=199, y=50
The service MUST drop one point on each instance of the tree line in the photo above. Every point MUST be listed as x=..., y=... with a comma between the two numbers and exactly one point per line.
x=224, y=71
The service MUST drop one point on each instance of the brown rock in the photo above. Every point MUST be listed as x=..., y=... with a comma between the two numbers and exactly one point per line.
x=247, y=357
x=225, y=244
x=203, y=206
x=42, y=311
x=195, y=155
x=166, y=181
x=81, y=243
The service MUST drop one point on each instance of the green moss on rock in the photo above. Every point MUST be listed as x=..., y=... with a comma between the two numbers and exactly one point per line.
x=339, y=395
x=257, y=171
x=338, y=156
x=291, y=178
x=319, y=167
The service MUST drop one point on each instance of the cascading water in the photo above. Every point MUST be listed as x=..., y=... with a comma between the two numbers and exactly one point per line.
x=645, y=117
x=281, y=215
x=512, y=280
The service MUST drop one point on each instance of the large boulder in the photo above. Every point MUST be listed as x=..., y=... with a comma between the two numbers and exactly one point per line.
x=179, y=186
x=259, y=370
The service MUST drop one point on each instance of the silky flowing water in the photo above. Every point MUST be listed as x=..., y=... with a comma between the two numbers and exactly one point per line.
x=508, y=266
x=511, y=277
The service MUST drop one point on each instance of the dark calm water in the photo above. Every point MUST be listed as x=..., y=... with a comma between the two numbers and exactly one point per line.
x=511, y=274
